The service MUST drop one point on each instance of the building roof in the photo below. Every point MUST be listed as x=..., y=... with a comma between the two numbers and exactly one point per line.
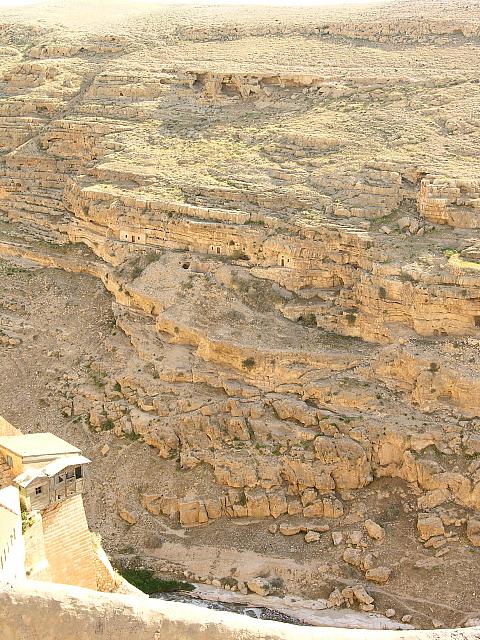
x=36, y=445
x=36, y=471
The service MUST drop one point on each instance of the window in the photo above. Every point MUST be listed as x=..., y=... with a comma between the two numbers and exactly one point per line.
x=58, y=479
x=38, y=490
x=70, y=474
x=9, y=461
x=78, y=472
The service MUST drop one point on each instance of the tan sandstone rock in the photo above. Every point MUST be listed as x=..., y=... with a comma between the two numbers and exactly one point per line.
x=429, y=526
x=473, y=531
x=260, y=586
x=374, y=530
x=380, y=575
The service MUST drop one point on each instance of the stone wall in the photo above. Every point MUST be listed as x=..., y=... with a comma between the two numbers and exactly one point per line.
x=12, y=548
x=53, y=612
x=67, y=536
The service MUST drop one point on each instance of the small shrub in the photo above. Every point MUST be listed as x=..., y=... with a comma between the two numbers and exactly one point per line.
x=150, y=257
x=448, y=253
x=136, y=272
x=27, y=519
x=382, y=293
x=188, y=284
x=132, y=436
x=248, y=363
x=351, y=318
x=239, y=255
x=434, y=367
x=231, y=582
x=308, y=320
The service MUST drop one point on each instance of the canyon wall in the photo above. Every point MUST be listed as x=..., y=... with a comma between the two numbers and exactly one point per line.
x=289, y=243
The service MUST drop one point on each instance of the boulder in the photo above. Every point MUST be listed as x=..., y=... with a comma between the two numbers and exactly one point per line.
x=335, y=599
x=213, y=507
x=352, y=556
x=260, y=586
x=189, y=511
x=473, y=531
x=337, y=538
x=289, y=529
x=257, y=503
x=380, y=575
x=374, y=530
x=312, y=536
x=277, y=503
x=404, y=222
x=434, y=498
x=314, y=510
x=319, y=528
x=429, y=525
x=294, y=508
x=367, y=562
x=355, y=537
x=332, y=508
x=128, y=517
x=361, y=595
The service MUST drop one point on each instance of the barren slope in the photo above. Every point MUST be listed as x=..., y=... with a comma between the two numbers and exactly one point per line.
x=275, y=313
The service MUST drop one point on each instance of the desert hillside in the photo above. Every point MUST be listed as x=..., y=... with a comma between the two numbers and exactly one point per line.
x=240, y=268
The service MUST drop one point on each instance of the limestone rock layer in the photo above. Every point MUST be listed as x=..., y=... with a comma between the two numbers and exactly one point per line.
x=285, y=213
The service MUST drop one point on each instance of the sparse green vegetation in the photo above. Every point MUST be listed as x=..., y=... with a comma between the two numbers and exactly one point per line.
x=406, y=277
x=448, y=253
x=351, y=318
x=239, y=255
x=132, y=436
x=308, y=320
x=146, y=581
x=248, y=363
x=27, y=519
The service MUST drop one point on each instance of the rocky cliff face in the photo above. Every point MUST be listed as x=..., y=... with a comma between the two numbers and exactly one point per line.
x=291, y=254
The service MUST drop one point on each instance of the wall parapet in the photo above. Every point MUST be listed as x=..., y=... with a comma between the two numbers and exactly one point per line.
x=41, y=611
